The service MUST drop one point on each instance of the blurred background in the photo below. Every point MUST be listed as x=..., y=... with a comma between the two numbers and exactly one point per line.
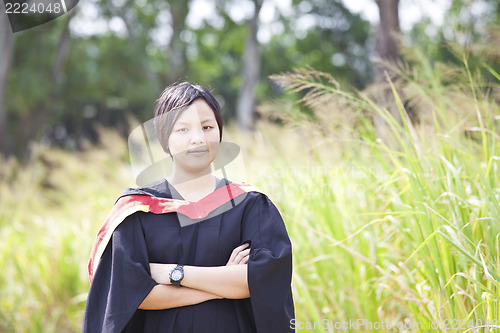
x=371, y=124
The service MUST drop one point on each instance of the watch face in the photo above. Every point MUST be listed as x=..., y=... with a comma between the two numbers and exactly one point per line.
x=176, y=275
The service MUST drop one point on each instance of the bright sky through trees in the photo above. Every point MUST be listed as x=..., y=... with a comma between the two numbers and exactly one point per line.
x=410, y=11
x=201, y=11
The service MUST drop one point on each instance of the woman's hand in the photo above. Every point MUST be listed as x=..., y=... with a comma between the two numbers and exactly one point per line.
x=161, y=272
x=240, y=255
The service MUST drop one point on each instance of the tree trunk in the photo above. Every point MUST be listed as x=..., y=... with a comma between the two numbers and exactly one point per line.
x=6, y=55
x=251, y=73
x=387, y=37
x=177, y=47
x=62, y=51
x=388, y=30
x=33, y=123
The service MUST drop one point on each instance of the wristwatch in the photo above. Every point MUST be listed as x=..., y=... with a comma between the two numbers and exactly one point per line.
x=176, y=275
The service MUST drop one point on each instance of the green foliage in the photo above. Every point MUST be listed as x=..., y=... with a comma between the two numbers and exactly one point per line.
x=402, y=229
x=218, y=61
x=112, y=75
x=50, y=212
x=380, y=230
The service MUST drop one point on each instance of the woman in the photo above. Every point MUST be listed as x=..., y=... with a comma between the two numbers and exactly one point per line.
x=191, y=253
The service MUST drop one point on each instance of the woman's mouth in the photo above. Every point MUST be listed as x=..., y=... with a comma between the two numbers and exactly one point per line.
x=197, y=151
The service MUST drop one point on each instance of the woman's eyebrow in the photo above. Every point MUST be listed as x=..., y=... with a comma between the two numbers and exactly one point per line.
x=208, y=119
x=186, y=123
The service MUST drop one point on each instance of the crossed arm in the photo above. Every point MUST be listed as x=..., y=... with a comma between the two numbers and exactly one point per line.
x=199, y=284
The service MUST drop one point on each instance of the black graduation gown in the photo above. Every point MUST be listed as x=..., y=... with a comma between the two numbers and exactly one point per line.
x=122, y=279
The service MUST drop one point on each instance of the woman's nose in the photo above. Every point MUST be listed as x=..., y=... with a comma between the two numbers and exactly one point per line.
x=197, y=136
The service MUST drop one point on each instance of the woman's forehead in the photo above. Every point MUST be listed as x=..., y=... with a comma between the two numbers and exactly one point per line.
x=199, y=111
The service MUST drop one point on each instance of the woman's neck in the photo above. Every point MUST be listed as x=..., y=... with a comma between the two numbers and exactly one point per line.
x=194, y=189
x=182, y=177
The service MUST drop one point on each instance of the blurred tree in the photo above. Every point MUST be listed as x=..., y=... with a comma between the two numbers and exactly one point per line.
x=34, y=122
x=326, y=36
x=388, y=30
x=470, y=27
x=388, y=38
x=178, y=63
x=140, y=21
x=215, y=56
x=250, y=72
x=35, y=80
x=79, y=80
x=471, y=17
x=6, y=54
x=323, y=35
x=66, y=81
x=337, y=41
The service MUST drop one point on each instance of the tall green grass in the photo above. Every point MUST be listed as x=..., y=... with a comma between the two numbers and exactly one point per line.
x=50, y=210
x=400, y=231
x=393, y=231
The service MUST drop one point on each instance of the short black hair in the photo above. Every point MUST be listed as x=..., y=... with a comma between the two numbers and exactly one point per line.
x=175, y=99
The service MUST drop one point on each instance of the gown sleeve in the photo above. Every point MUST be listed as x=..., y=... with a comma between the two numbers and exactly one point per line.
x=121, y=282
x=269, y=266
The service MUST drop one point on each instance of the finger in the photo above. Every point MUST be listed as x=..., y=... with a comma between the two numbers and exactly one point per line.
x=236, y=251
x=242, y=255
x=244, y=260
x=233, y=255
x=242, y=247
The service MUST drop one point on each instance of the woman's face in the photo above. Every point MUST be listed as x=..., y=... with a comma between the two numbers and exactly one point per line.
x=194, y=140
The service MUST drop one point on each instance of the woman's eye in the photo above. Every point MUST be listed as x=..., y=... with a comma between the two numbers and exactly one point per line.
x=207, y=127
x=182, y=130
